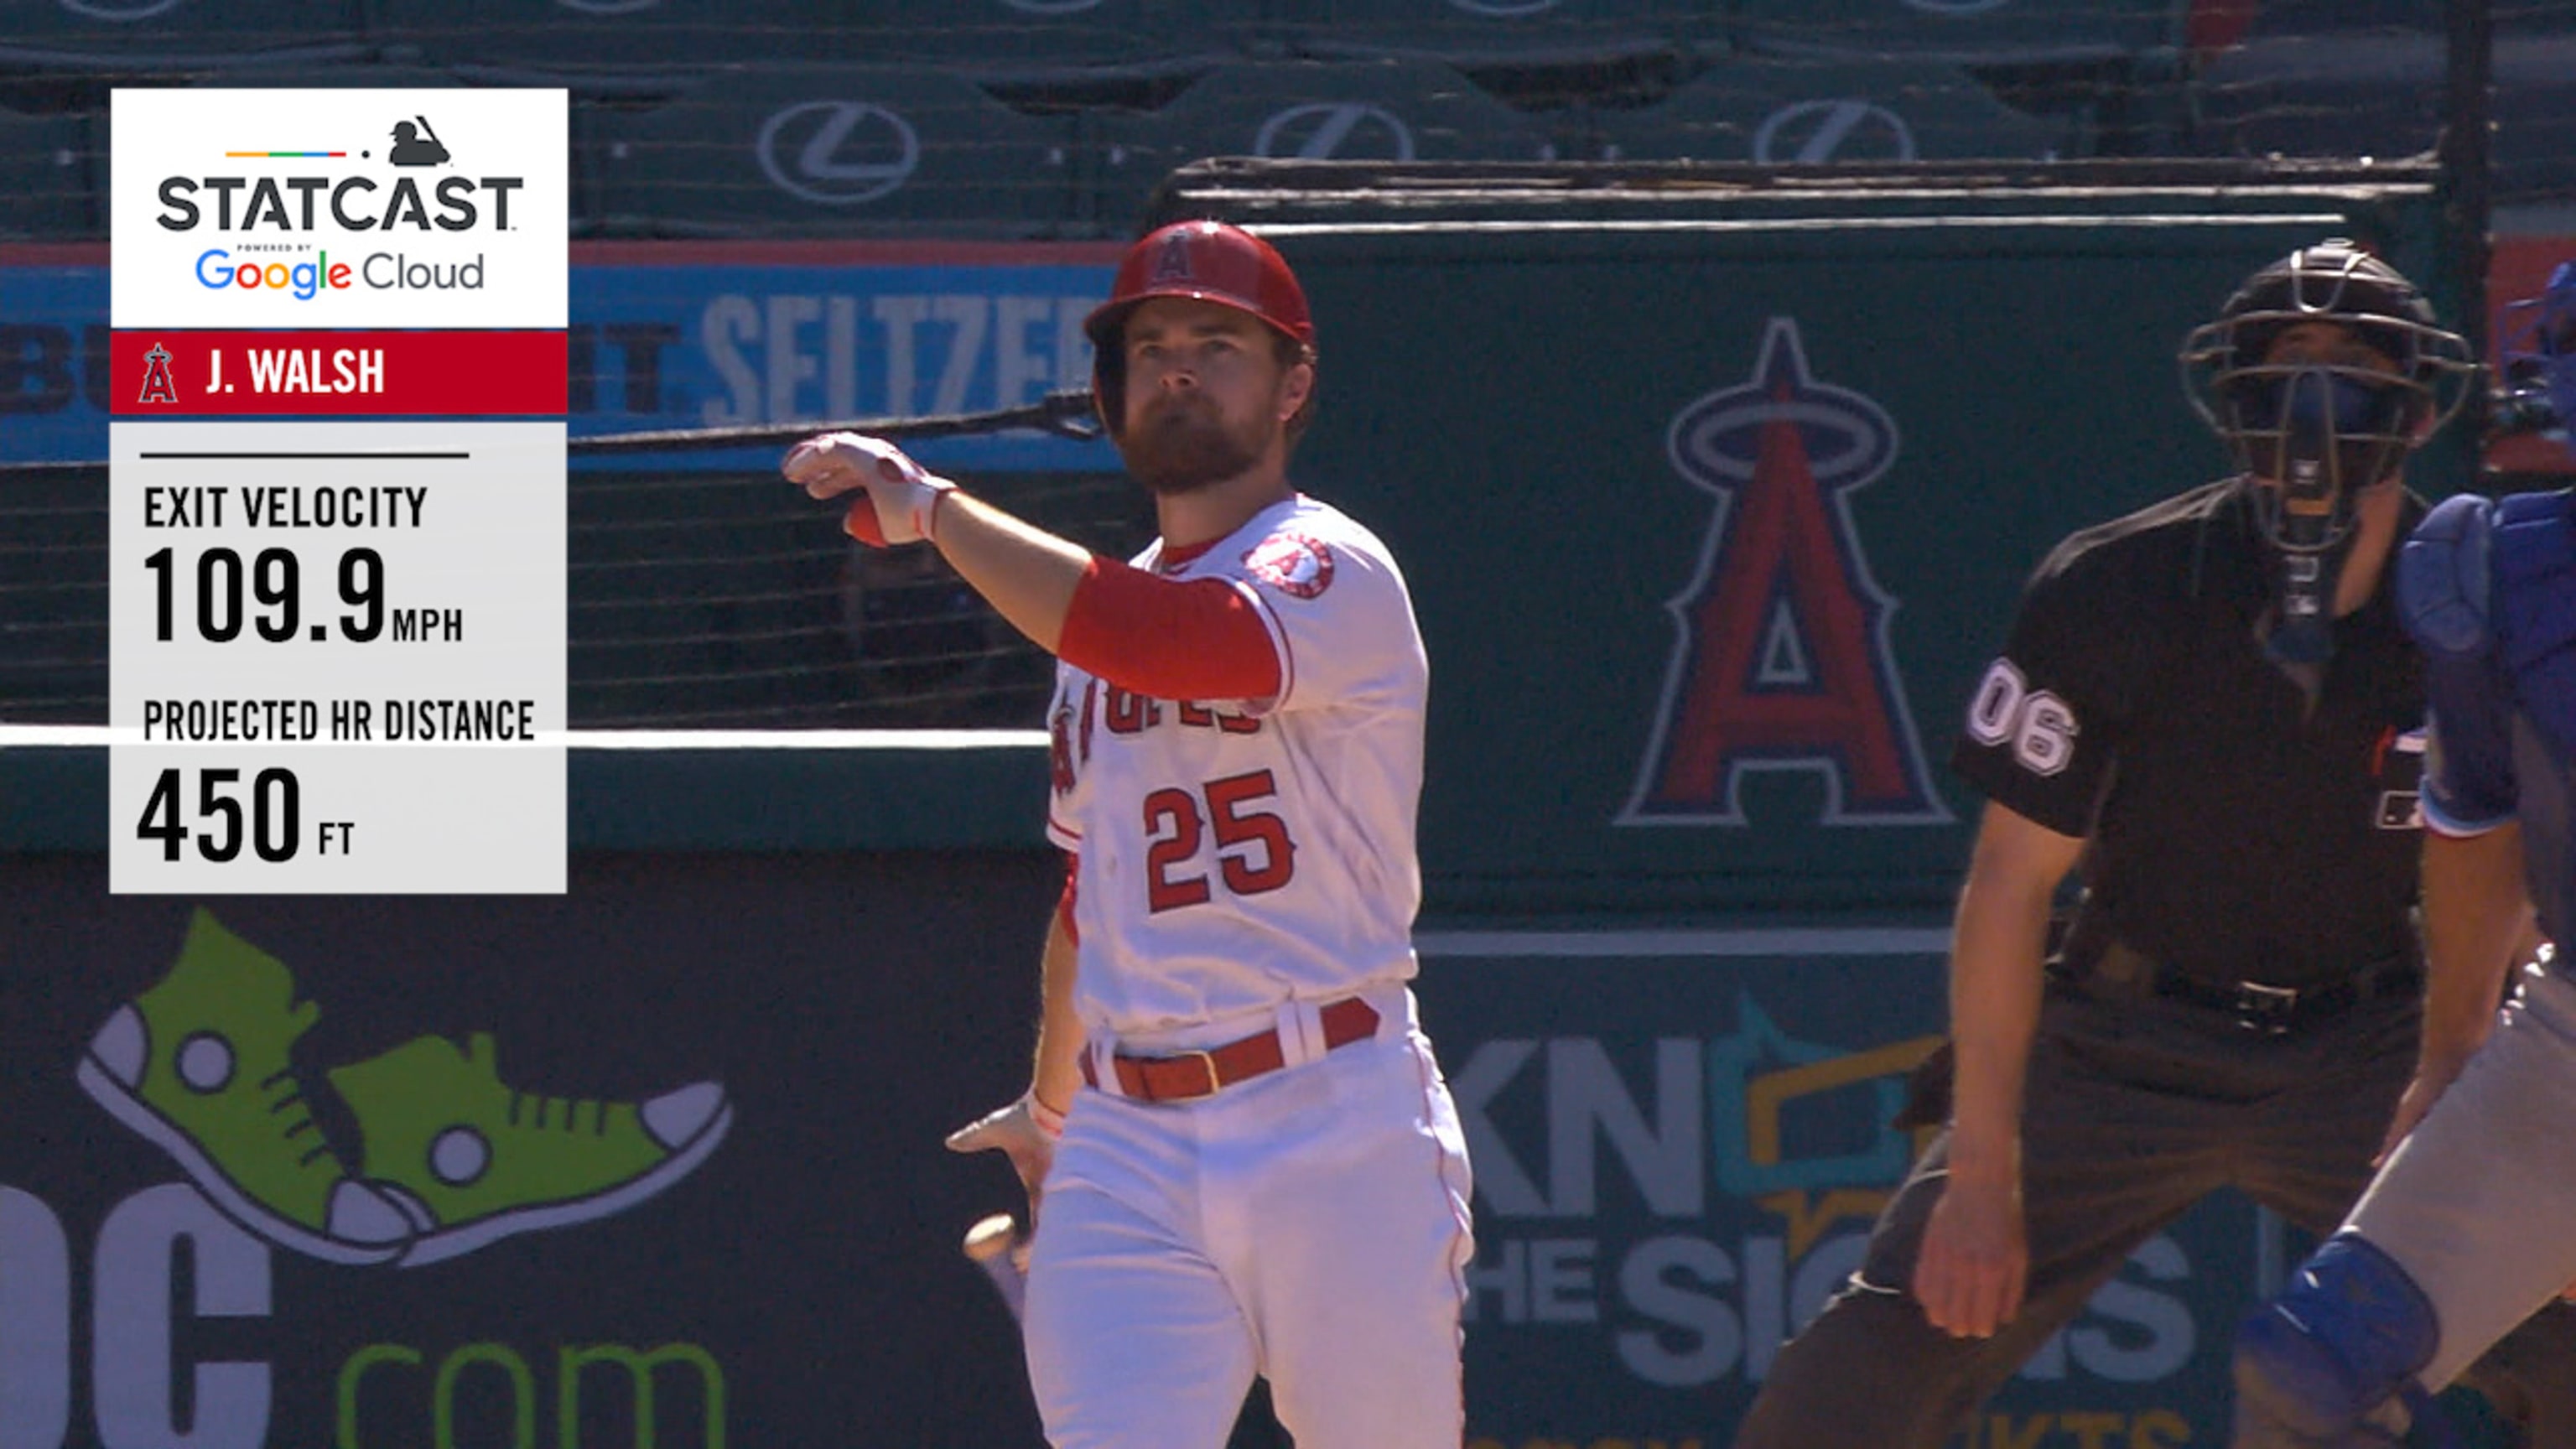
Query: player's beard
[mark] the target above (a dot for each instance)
(1183, 444)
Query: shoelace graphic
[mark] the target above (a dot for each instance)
(571, 1112)
(288, 1097)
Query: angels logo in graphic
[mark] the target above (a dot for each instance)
(157, 386)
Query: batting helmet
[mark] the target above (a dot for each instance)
(2353, 426)
(1206, 261)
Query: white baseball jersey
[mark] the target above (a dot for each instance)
(1237, 854)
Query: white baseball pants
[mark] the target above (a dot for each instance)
(1310, 1225)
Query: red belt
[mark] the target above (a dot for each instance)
(1188, 1076)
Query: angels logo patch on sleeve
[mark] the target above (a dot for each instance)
(1294, 563)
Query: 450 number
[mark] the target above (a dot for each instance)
(1253, 850)
(273, 829)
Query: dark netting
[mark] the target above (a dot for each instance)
(705, 597)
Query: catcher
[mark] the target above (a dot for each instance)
(2449, 1249)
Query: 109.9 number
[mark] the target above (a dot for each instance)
(269, 826)
(220, 610)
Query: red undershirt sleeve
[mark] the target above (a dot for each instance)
(1182, 639)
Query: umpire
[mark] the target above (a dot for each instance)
(2209, 707)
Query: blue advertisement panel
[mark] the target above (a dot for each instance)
(1681, 1139)
(53, 354)
(689, 336)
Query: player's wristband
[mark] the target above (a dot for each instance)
(925, 509)
(1049, 1120)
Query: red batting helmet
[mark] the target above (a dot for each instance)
(1208, 261)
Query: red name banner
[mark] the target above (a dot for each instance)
(182, 373)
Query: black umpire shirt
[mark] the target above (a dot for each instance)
(2236, 832)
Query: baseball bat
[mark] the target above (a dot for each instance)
(996, 1245)
(1066, 414)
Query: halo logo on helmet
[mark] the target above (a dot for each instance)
(1172, 263)
(2318, 430)
(1204, 261)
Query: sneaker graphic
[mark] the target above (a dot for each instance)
(472, 1160)
(198, 1065)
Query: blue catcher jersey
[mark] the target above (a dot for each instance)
(2489, 590)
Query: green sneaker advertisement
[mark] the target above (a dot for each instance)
(654, 1165)
(450, 1157)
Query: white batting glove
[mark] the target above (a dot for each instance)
(902, 499)
(1025, 1132)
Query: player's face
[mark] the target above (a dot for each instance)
(2336, 347)
(2326, 344)
(1207, 395)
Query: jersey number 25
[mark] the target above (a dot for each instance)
(1253, 851)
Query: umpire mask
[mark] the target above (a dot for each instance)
(2315, 426)
(2321, 435)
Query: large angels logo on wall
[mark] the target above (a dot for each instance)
(1782, 660)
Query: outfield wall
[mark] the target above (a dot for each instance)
(1680, 1132)
(1711, 519)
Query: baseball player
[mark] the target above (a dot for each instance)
(2452, 1245)
(2209, 709)
(1249, 1160)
